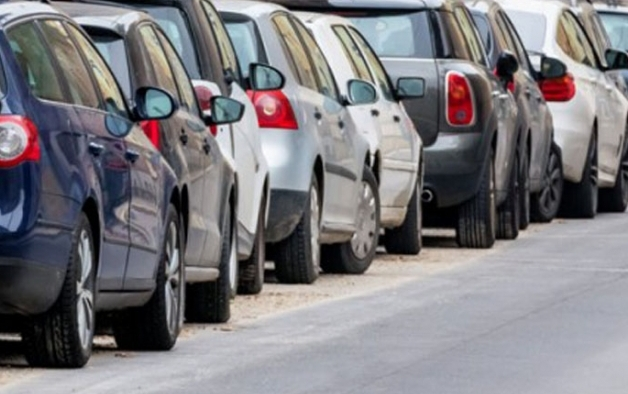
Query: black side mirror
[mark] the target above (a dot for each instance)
(153, 104)
(507, 66)
(361, 92)
(410, 88)
(552, 68)
(224, 111)
(264, 78)
(616, 60)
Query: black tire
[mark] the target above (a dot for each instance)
(615, 199)
(343, 258)
(156, 325)
(406, 239)
(56, 338)
(251, 277)
(210, 302)
(580, 200)
(546, 203)
(297, 258)
(525, 214)
(477, 217)
(508, 213)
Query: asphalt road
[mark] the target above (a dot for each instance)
(547, 314)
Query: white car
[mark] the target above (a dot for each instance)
(395, 145)
(589, 111)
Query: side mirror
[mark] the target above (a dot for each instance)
(361, 92)
(507, 66)
(410, 88)
(225, 111)
(616, 60)
(552, 68)
(153, 104)
(264, 77)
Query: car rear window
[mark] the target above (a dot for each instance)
(113, 50)
(398, 35)
(246, 41)
(174, 22)
(616, 26)
(531, 28)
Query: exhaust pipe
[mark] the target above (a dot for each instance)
(427, 196)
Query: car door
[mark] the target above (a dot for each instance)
(104, 152)
(342, 161)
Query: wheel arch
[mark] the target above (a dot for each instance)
(90, 209)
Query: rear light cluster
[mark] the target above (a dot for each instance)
(558, 89)
(19, 141)
(204, 96)
(460, 103)
(151, 129)
(274, 110)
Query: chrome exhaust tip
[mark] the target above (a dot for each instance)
(427, 196)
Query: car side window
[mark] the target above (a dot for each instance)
(35, 62)
(188, 97)
(80, 84)
(327, 83)
(158, 60)
(227, 53)
(107, 84)
(380, 72)
(519, 48)
(573, 41)
(357, 61)
(457, 46)
(294, 51)
(474, 44)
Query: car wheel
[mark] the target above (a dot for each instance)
(545, 204)
(406, 239)
(156, 325)
(580, 200)
(251, 277)
(477, 217)
(297, 258)
(210, 302)
(508, 213)
(524, 190)
(355, 257)
(63, 336)
(616, 198)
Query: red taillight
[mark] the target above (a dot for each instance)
(19, 141)
(274, 110)
(510, 85)
(558, 89)
(204, 96)
(151, 129)
(460, 107)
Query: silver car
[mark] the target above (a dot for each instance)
(322, 189)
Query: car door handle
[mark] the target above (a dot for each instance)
(183, 137)
(609, 88)
(375, 112)
(341, 124)
(96, 149)
(397, 119)
(318, 115)
(528, 92)
(495, 94)
(132, 155)
(207, 146)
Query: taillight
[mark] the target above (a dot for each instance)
(558, 89)
(274, 110)
(151, 129)
(204, 96)
(19, 141)
(460, 105)
(510, 85)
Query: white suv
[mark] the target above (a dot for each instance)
(589, 111)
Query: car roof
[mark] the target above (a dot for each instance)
(363, 4)
(109, 17)
(12, 10)
(253, 9)
(535, 6)
(314, 17)
(483, 6)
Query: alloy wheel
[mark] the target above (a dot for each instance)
(173, 280)
(84, 291)
(550, 196)
(315, 228)
(233, 262)
(364, 237)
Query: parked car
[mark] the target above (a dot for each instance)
(541, 177)
(589, 111)
(200, 38)
(322, 188)
(90, 209)
(140, 54)
(395, 145)
(614, 16)
(466, 118)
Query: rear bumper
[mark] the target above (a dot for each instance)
(286, 210)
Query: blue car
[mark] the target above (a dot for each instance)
(89, 209)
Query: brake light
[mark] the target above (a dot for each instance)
(204, 96)
(274, 110)
(510, 85)
(151, 129)
(19, 141)
(558, 89)
(460, 105)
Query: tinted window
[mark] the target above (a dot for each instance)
(227, 54)
(470, 33)
(484, 29)
(175, 24)
(113, 49)
(158, 60)
(358, 63)
(378, 68)
(573, 41)
(531, 28)
(106, 82)
(457, 43)
(81, 87)
(298, 59)
(35, 62)
(519, 49)
(246, 42)
(406, 35)
(616, 26)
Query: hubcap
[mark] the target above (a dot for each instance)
(551, 193)
(233, 262)
(363, 239)
(84, 294)
(315, 227)
(173, 279)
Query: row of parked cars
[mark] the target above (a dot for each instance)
(155, 154)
